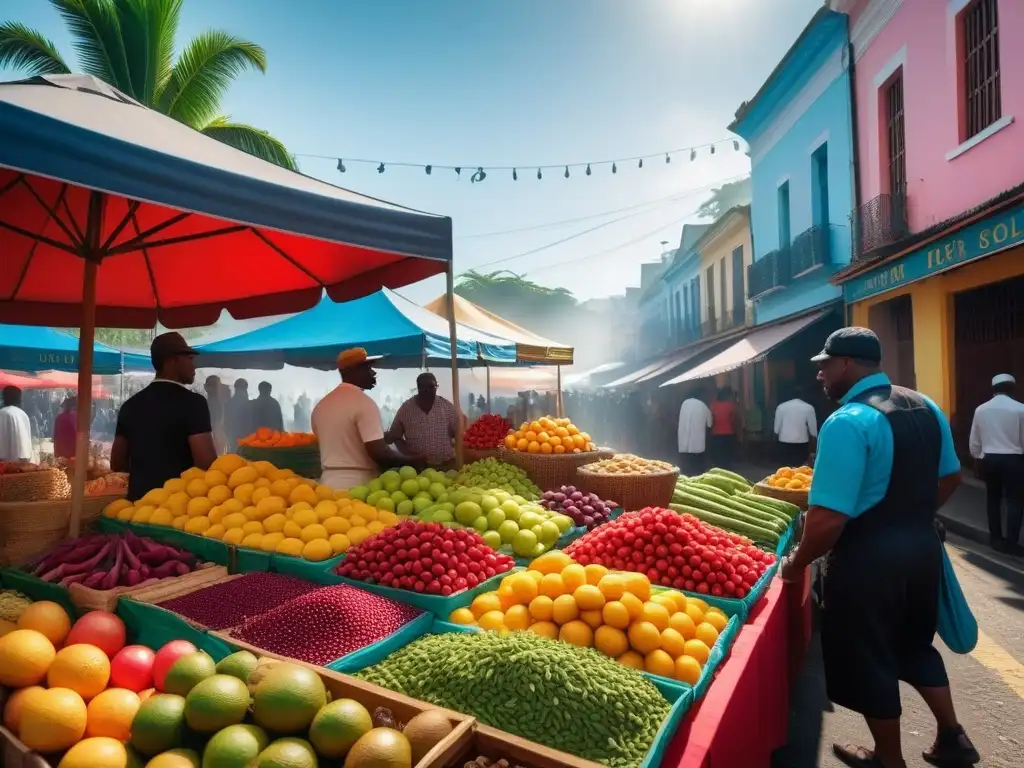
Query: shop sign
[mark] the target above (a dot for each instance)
(982, 238)
(31, 360)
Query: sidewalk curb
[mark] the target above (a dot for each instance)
(964, 529)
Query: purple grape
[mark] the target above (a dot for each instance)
(549, 495)
(559, 497)
(567, 489)
(588, 521)
(576, 496)
(587, 509)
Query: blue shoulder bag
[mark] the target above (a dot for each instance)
(957, 626)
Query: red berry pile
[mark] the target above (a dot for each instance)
(424, 557)
(230, 603)
(326, 624)
(676, 551)
(486, 432)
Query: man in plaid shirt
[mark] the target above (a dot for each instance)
(425, 424)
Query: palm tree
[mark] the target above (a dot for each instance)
(130, 45)
(522, 301)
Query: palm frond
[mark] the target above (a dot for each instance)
(255, 141)
(97, 40)
(203, 72)
(26, 50)
(148, 28)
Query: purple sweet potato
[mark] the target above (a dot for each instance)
(93, 579)
(134, 577)
(129, 556)
(75, 578)
(113, 577)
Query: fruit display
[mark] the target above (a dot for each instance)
(584, 509)
(549, 436)
(325, 624)
(424, 557)
(272, 438)
(487, 432)
(628, 464)
(404, 490)
(258, 506)
(494, 474)
(105, 561)
(486, 762)
(565, 697)
(791, 478)
(19, 467)
(233, 602)
(110, 484)
(724, 501)
(12, 603)
(666, 633)
(675, 550)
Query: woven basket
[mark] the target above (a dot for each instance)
(550, 471)
(29, 528)
(88, 599)
(469, 455)
(303, 460)
(630, 491)
(41, 485)
(799, 498)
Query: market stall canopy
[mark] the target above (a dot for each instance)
(530, 348)
(383, 323)
(51, 380)
(634, 376)
(180, 225)
(37, 348)
(750, 349)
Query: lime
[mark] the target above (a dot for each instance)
(338, 726)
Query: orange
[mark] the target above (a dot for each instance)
(658, 662)
(716, 620)
(615, 614)
(678, 597)
(545, 629)
(683, 624)
(699, 603)
(589, 598)
(533, 447)
(517, 617)
(694, 612)
(522, 444)
(595, 573)
(666, 600)
(697, 650)
(111, 714)
(545, 447)
(507, 597)
(576, 633)
(687, 670)
(510, 441)
(542, 608)
(644, 637)
(631, 659)
(573, 576)
(492, 620)
(53, 720)
(552, 585)
(462, 616)
(612, 586)
(564, 609)
(707, 634)
(83, 668)
(657, 614)
(592, 618)
(46, 617)
(554, 561)
(611, 641)
(672, 642)
(634, 605)
(638, 584)
(12, 710)
(523, 587)
(25, 656)
(488, 601)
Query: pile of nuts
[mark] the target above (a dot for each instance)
(628, 464)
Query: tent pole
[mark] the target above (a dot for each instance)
(85, 347)
(558, 398)
(488, 369)
(453, 343)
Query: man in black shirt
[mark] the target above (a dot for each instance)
(164, 429)
(266, 411)
(238, 414)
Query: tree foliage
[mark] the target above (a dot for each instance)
(514, 296)
(130, 44)
(727, 196)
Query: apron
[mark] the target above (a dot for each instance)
(882, 580)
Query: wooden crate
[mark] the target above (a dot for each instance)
(88, 599)
(496, 744)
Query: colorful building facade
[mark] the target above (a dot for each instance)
(724, 254)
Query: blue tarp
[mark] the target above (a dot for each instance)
(383, 323)
(35, 348)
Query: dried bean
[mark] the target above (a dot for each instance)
(230, 603)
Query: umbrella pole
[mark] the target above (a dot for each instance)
(558, 395)
(453, 343)
(85, 348)
(488, 369)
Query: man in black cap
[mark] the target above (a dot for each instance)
(164, 429)
(885, 465)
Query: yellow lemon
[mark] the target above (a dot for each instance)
(462, 616)
(175, 485)
(517, 617)
(270, 506)
(492, 620)
(313, 532)
(631, 659)
(324, 493)
(339, 543)
(359, 521)
(243, 494)
(156, 497)
(304, 517)
(280, 488)
(234, 520)
(179, 522)
(545, 629)
(233, 505)
(317, 550)
(303, 493)
(292, 530)
(388, 518)
(193, 473)
(233, 536)
(162, 516)
(253, 526)
(216, 514)
(273, 473)
(178, 503)
(126, 514)
(251, 513)
(215, 477)
(253, 541)
(262, 483)
(218, 494)
(336, 525)
(290, 546)
(376, 526)
(143, 514)
(228, 463)
(197, 524)
(197, 488)
(259, 494)
(325, 509)
(275, 524)
(488, 601)
(198, 506)
(358, 534)
(576, 633)
(215, 532)
(611, 641)
(658, 662)
(112, 509)
(242, 476)
(271, 540)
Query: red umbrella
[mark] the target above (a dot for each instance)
(116, 215)
(50, 380)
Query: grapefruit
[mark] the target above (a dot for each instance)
(103, 629)
(240, 665)
(287, 753)
(96, 752)
(83, 668)
(166, 656)
(25, 656)
(234, 746)
(111, 713)
(288, 698)
(158, 724)
(339, 725)
(132, 668)
(187, 672)
(48, 618)
(380, 748)
(216, 703)
(175, 758)
(52, 720)
(12, 710)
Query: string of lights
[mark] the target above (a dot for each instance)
(481, 172)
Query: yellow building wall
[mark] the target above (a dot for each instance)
(735, 235)
(934, 320)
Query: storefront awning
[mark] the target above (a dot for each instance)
(635, 375)
(749, 349)
(679, 359)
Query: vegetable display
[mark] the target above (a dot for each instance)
(628, 464)
(584, 509)
(675, 550)
(568, 698)
(549, 436)
(486, 432)
(104, 561)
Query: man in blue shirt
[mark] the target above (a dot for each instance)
(885, 464)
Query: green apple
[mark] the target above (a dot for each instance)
(508, 531)
(492, 539)
(524, 542)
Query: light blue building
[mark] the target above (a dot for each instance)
(682, 285)
(799, 127)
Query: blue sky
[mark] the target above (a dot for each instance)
(496, 83)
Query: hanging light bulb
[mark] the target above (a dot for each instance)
(588, 169)
(712, 149)
(515, 175)
(667, 159)
(693, 155)
(641, 163)
(614, 168)
(480, 175)
(567, 171)
(458, 172)
(735, 145)
(428, 169)
(380, 168)
(539, 174)
(341, 166)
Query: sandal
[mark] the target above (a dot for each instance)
(856, 756)
(952, 748)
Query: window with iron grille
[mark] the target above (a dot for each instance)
(982, 102)
(897, 137)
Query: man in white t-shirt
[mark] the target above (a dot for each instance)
(796, 428)
(15, 428)
(348, 428)
(694, 423)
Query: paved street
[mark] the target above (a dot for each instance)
(988, 684)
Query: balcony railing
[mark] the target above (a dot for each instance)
(809, 251)
(878, 223)
(769, 273)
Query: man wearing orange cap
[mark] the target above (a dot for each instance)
(348, 427)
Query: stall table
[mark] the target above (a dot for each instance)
(745, 715)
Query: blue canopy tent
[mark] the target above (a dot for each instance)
(35, 348)
(384, 323)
